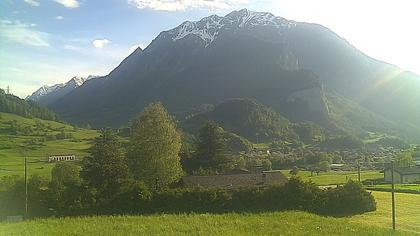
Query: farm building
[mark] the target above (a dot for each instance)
(236, 180)
(53, 158)
(403, 175)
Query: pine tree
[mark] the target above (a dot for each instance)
(154, 147)
(106, 167)
(211, 150)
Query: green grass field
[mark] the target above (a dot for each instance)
(335, 177)
(34, 146)
(407, 212)
(277, 223)
(398, 187)
(280, 223)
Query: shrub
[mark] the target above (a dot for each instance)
(133, 197)
(347, 200)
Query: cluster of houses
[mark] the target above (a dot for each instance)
(244, 178)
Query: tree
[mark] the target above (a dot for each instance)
(405, 159)
(154, 148)
(266, 164)
(211, 148)
(106, 167)
(294, 171)
(65, 173)
(324, 166)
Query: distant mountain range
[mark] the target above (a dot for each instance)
(49, 94)
(303, 71)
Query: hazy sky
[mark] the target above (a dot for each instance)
(50, 41)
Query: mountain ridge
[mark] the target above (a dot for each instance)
(285, 65)
(49, 94)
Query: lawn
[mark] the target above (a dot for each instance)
(335, 177)
(34, 146)
(398, 187)
(276, 223)
(279, 223)
(407, 212)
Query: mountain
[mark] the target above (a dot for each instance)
(12, 104)
(49, 94)
(298, 69)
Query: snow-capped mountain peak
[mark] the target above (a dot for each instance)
(46, 94)
(77, 80)
(210, 27)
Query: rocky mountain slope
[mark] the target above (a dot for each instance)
(286, 65)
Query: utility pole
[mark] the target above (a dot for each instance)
(8, 89)
(26, 188)
(393, 195)
(358, 169)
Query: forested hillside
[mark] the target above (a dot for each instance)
(244, 117)
(12, 104)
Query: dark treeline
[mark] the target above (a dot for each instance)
(144, 176)
(15, 105)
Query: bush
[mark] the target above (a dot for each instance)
(349, 199)
(133, 197)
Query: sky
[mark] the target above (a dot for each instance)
(45, 42)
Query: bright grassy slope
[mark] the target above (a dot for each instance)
(335, 177)
(414, 187)
(278, 223)
(407, 212)
(14, 147)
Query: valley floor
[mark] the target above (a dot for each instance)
(277, 223)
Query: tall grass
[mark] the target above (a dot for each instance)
(280, 223)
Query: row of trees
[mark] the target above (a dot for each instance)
(153, 154)
(67, 195)
(143, 175)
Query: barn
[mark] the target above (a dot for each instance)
(403, 175)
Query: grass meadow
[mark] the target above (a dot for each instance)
(336, 177)
(279, 223)
(276, 223)
(13, 148)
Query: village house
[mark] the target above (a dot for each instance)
(53, 158)
(403, 175)
(237, 180)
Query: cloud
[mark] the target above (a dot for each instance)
(68, 3)
(100, 43)
(59, 17)
(32, 2)
(180, 5)
(17, 32)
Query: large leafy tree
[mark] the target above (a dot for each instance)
(65, 188)
(65, 173)
(106, 167)
(405, 159)
(154, 147)
(211, 149)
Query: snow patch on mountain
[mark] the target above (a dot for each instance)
(209, 28)
(45, 90)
